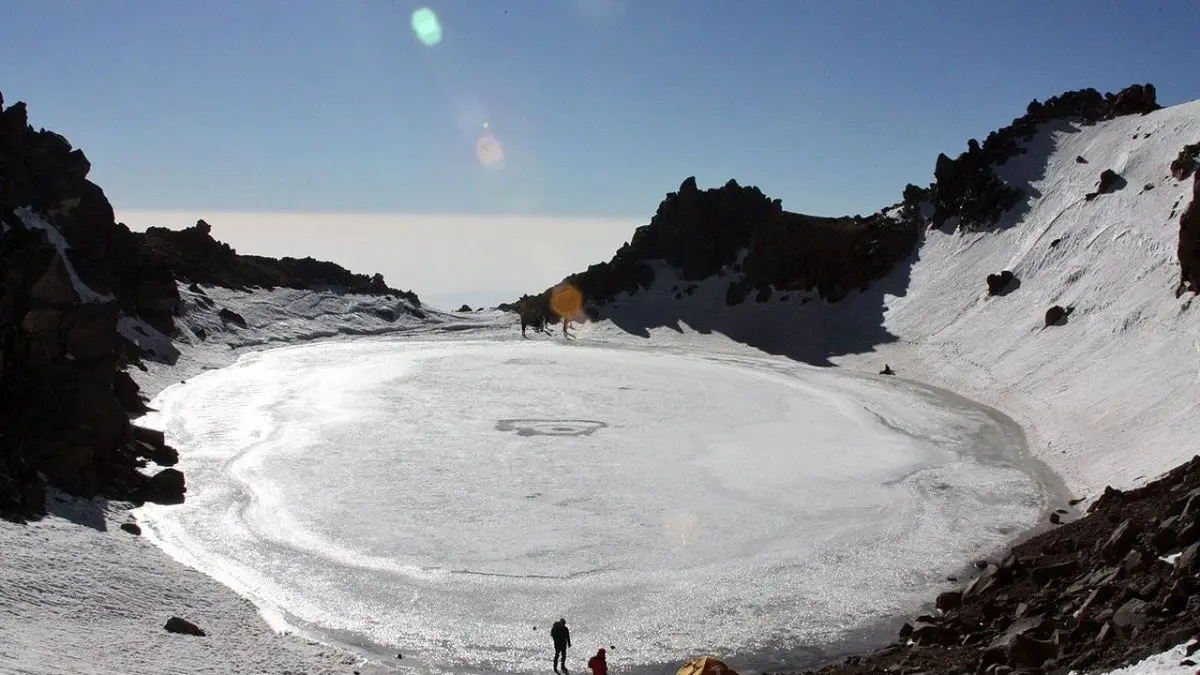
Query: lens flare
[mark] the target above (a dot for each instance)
(488, 150)
(427, 27)
(566, 301)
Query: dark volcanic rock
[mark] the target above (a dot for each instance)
(949, 600)
(1185, 163)
(230, 316)
(735, 294)
(64, 400)
(1063, 603)
(165, 487)
(967, 187)
(131, 528)
(997, 283)
(1056, 314)
(183, 627)
(1189, 243)
(739, 231)
(1109, 181)
(195, 256)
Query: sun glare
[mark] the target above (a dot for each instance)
(427, 27)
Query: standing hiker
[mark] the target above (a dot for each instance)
(598, 663)
(562, 639)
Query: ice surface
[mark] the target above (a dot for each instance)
(443, 499)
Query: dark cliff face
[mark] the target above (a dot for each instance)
(1189, 243)
(701, 232)
(739, 230)
(967, 187)
(69, 273)
(194, 256)
(62, 421)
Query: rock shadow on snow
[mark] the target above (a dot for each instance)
(811, 331)
(86, 512)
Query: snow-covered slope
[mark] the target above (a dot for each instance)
(1110, 397)
(275, 317)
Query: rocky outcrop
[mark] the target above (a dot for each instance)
(193, 255)
(1109, 181)
(739, 231)
(967, 188)
(1090, 595)
(1185, 163)
(1189, 243)
(182, 627)
(69, 271)
(1056, 314)
(998, 283)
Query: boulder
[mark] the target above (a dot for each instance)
(1027, 652)
(131, 528)
(165, 487)
(997, 283)
(229, 316)
(1189, 559)
(1131, 615)
(1109, 181)
(928, 633)
(182, 627)
(1184, 164)
(1046, 573)
(1119, 541)
(1056, 314)
(949, 600)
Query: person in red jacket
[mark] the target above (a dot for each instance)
(598, 664)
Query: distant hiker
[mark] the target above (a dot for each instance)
(598, 664)
(562, 639)
(887, 370)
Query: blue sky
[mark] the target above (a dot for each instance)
(229, 108)
(601, 106)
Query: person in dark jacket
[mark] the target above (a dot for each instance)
(562, 639)
(598, 663)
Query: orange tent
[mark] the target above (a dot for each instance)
(705, 665)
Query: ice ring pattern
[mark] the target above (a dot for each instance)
(551, 427)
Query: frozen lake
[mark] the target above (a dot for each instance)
(450, 499)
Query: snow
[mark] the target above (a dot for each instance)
(35, 221)
(1107, 398)
(1128, 349)
(81, 596)
(1174, 661)
(508, 482)
(277, 317)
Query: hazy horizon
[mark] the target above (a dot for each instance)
(482, 260)
(580, 112)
